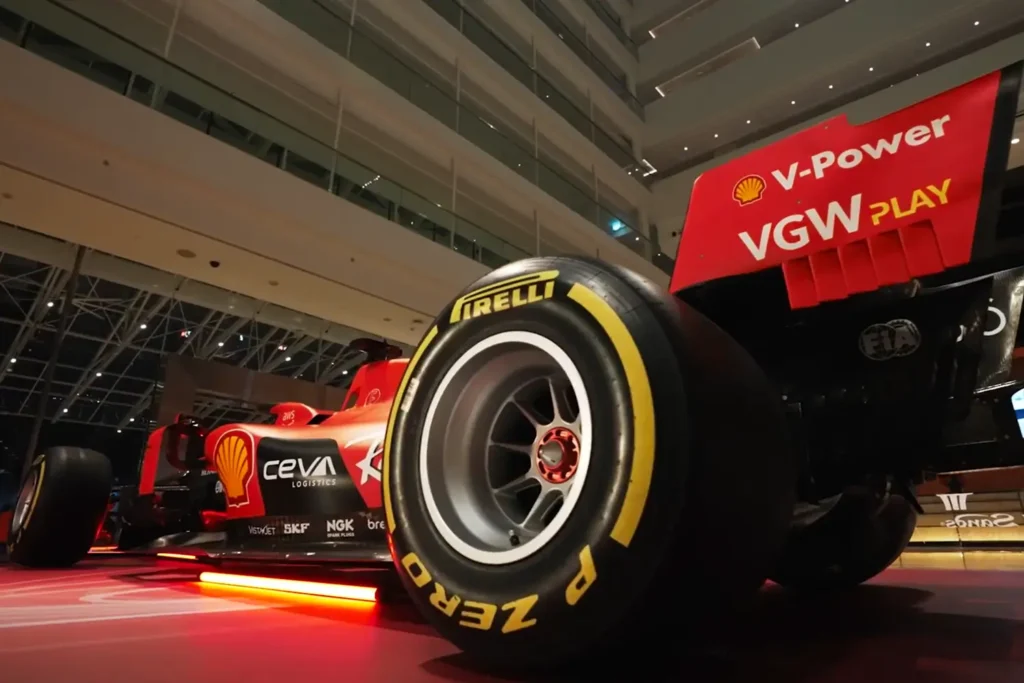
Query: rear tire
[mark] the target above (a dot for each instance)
(60, 507)
(649, 537)
(852, 541)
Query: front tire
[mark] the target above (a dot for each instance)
(60, 507)
(662, 426)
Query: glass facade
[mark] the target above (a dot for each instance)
(214, 112)
(122, 66)
(335, 31)
(617, 147)
(607, 72)
(610, 19)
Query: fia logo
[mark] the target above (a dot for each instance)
(894, 339)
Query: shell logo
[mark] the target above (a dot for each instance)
(233, 457)
(748, 190)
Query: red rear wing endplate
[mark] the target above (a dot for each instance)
(848, 208)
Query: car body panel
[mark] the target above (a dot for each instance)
(313, 478)
(270, 469)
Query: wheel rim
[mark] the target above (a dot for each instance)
(505, 448)
(24, 501)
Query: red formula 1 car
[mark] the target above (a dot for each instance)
(567, 458)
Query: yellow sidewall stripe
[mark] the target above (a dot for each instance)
(35, 497)
(642, 468)
(396, 405)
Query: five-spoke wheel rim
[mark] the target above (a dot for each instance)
(505, 447)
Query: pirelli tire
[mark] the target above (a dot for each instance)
(60, 507)
(843, 542)
(683, 472)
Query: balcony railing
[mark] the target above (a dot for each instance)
(611, 20)
(578, 45)
(122, 66)
(153, 81)
(506, 57)
(325, 25)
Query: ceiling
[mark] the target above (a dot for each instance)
(123, 319)
(809, 87)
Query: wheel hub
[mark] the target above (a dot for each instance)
(506, 441)
(558, 455)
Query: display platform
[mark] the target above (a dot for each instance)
(131, 619)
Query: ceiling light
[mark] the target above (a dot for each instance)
(142, 326)
(796, 25)
(131, 419)
(748, 122)
(792, 101)
(99, 374)
(871, 68)
(927, 44)
(220, 343)
(344, 372)
(976, 23)
(65, 410)
(287, 359)
(49, 304)
(118, 431)
(14, 360)
(716, 136)
(686, 149)
(830, 86)
(1012, 142)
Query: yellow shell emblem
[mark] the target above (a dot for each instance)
(748, 190)
(234, 467)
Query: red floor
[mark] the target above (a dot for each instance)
(125, 620)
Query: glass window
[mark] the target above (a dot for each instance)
(57, 49)
(219, 114)
(10, 25)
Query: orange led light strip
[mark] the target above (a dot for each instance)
(176, 556)
(327, 590)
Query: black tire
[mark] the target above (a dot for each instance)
(654, 537)
(131, 537)
(60, 507)
(856, 538)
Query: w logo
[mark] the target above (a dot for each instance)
(954, 502)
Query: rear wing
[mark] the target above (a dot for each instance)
(844, 208)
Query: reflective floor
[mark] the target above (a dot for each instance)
(123, 619)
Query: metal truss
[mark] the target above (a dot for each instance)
(124, 319)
